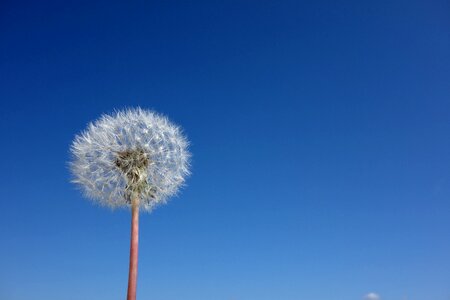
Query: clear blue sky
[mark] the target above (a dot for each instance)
(320, 133)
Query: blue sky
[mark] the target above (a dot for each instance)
(320, 141)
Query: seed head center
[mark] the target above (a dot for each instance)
(133, 164)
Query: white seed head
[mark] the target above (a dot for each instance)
(134, 153)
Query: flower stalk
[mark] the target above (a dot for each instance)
(134, 247)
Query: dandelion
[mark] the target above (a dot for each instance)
(134, 158)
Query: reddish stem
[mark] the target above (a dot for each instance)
(132, 275)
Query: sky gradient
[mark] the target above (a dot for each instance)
(320, 140)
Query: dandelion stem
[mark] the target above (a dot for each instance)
(132, 275)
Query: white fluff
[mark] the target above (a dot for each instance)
(95, 152)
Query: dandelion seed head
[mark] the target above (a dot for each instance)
(133, 153)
